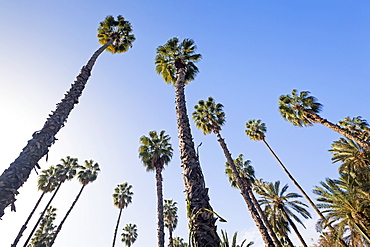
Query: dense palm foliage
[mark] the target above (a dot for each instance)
(279, 204)
(170, 218)
(155, 152)
(116, 37)
(46, 229)
(175, 62)
(122, 197)
(209, 117)
(129, 234)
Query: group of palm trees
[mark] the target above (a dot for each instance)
(343, 205)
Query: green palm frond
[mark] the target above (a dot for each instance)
(256, 130)
(122, 195)
(88, 173)
(209, 116)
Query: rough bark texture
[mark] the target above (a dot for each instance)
(256, 217)
(333, 231)
(65, 217)
(116, 229)
(160, 230)
(42, 214)
(18, 172)
(202, 222)
(317, 119)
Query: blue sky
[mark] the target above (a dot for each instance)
(253, 52)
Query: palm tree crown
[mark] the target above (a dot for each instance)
(208, 116)
(156, 150)
(129, 234)
(170, 214)
(256, 130)
(296, 108)
(245, 170)
(122, 195)
(118, 32)
(88, 173)
(174, 55)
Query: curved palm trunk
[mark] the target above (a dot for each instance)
(42, 215)
(333, 231)
(24, 227)
(202, 221)
(65, 217)
(256, 217)
(116, 229)
(263, 216)
(18, 171)
(317, 119)
(294, 228)
(160, 230)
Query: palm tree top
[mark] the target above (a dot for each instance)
(122, 195)
(209, 116)
(175, 55)
(296, 106)
(256, 130)
(156, 150)
(118, 31)
(244, 168)
(356, 126)
(89, 172)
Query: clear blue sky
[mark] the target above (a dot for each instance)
(253, 52)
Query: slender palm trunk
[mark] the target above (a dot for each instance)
(170, 239)
(116, 229)
(18, 171)
(256, 217)
(65, 217)
(202, 222)
(263, 216)
(160, 230)
(294, 228)
(317, 119)
(24, 227)
(42, 214)
(333, 231)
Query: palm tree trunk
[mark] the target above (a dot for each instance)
(24, 227)
(170, 237)
(160, 230)
(202, 220)
(333, 231)
(294, 228)
(116, 229)
(263, 216)
(65, 217)
(256, 217)
(18, 172)
(317, 119)
(42, 215)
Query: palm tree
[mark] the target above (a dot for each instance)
(279, 201)
(115, 36)
(246, 172)
(129, 234)
(256, 131)
(46, 183)
(46, 229)
(226, 242)
(179, 242)
(63, 172)
(86, 175)
(209, 117)
(345, 207)
(155, 152)
(175, 62)
(302, 110)
(122, 197)
(170, 218)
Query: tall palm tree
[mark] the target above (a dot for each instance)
(115, 36)
(129, 234)
(155, 152)
(246, 172)
(302, 110)
(209, 117)
(345, 207)
(87, 174)
(170, 218)
(282, 202)
(46, 183)
(256, 131)
(175, 62)
(63, 172)
(226, 242)
(122, 197)
(46, 229)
